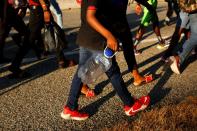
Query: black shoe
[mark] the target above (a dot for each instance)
(4, 60)
(18, 73)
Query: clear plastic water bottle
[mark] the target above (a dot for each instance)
(94, 67)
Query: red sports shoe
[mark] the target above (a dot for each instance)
(139, 105)
(73, 114)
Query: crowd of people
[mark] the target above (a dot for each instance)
(103, 23)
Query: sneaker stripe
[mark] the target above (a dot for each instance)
(143, 106)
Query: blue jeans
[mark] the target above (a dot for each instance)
(192, 41)
(54, 7)
(183, 20)
(113, 74)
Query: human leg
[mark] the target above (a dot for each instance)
(76, 86)
(181, 24)
(189, 45)
(29, 41)
(169, 12)
(71, 108)
(138, 37)
(128, 52)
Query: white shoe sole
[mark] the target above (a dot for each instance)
(68, 117)
(174, 66)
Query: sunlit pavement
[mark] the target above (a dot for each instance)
(36, 103)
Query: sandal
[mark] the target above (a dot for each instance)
(90, 93)
(148, 79)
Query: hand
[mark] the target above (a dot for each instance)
(22, 13)
(138, 9)
(112, 43)
(46, 16)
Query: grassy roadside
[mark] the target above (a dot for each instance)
(178, 117)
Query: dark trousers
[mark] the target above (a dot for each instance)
(13, 20)
(113, 74)
(172, 6)
(36, 23)
(174, 40)
(125, 37)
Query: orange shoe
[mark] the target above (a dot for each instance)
(90, 93)
(85, 90)
(147, 79)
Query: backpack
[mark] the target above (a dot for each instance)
(188, 6)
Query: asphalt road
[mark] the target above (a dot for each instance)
(36, 103)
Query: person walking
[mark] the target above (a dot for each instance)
(148, 17)
(99, 20)
(182, 26)
(177, 60)
(9, 18)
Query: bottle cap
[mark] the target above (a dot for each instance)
(109, 53)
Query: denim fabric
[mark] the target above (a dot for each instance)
(55, 9)
(113, 74)
(192, 41)
(183, 20)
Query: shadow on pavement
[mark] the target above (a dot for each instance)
(191, 59)
(93, 107)
(37, 68)
(158, 92)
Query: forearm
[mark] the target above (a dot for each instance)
(43, 4)
(47, 13)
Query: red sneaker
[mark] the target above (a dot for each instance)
(139, 105)
(73, 114)
(145, 100)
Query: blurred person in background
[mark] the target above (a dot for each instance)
(55, 9)
(9, 17)
(149, 15)
(172, 7)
